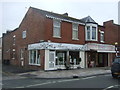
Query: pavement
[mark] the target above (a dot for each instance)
(74, 73)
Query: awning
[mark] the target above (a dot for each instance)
(107, 51)
(55, 46)
(105, 48)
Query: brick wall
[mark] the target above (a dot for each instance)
(111, 32)
(66, 33)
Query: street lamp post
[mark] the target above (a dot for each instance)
(116, 43)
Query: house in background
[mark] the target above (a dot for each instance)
(50, 41)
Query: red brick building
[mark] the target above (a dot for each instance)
(49, 41)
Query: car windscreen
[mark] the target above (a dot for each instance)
(117, 60)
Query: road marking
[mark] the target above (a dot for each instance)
(111, 87)
(89, 77)
(68, 80)
(51, 82)
(34, 85)
(38, 84)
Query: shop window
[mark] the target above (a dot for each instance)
(60, 57)
(74, 58)
(34, 57)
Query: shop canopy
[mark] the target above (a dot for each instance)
(54, 46)
(105, 48)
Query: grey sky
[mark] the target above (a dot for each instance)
(13, 12)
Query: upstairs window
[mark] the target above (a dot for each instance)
(75, 31)
(91, 32)
(56, 28)
(88, 32)
(101, 36)
(24, 34)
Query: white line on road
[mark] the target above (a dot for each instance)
(89, 77)
(34, 85)
(68, 80)
(111, 87)
(38, 84)
(51, 82)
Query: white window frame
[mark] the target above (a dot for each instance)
(92, 33)
(91, 25)
(37, 64)
(24, 34)
(75, 30)
(58, 28)
(87, 33)
(102, 36)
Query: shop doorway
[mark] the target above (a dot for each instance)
(102, 59)
(92, 58)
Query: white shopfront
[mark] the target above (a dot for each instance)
(57, 54)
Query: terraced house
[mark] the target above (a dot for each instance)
(50, 41)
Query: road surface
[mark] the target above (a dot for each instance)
(104, 82)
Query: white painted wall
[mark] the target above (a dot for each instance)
(82, 55)
(46, 60)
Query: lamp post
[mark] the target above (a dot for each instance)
(116, 43)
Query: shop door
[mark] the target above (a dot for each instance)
(52, 60)
(100, 61)
(103, 60)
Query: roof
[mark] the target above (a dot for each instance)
(61, 16)
(88, 19)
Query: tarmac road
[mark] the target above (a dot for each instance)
(103, 82)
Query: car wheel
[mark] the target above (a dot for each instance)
(114, 75)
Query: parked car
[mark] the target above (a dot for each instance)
(115, 68)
